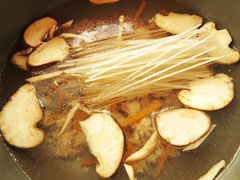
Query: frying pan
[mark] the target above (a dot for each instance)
(38, 163)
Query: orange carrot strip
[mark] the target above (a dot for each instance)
(81, 115)
(145, 112)
(103, 1)
(77, 126)
(167, 151)
(113, 107)
(88, 162)
(140, 9)
(130, 149)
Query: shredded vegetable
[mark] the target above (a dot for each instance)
(69, 117)
(145, 112)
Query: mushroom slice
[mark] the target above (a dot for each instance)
(20, 58)
(130, 171)
(44, 76)
(51, 32)
(67, 24)
(210, 93)
(106, 142)
(36, 32)
(146, 150)
(177, 23)
(54, 50)
(196, 144)
(181, 127)
(213, 171)
(19, 117)
(224, 39)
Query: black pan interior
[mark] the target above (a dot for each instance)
(39, 163)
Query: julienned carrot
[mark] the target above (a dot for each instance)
(167, 151)
(77, 126)
(113, 107)
(81, 115)
(103, 1)
(140, 9)
(130, 149)
(89, 162)
(145, 112)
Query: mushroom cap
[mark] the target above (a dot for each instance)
(20, 58)
(224, 39)
(106, 142)
(177, 23)
(34, 34)
(209, 94)
(54, 50)
(181, 127)
(19, 117)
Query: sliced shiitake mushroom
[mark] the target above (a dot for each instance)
(106, 142)
(20, 58)
(19, 117)
(146, 150)
(36, 32)
(51, 32)
(130, 171)
(54, 50)
(196, 144)
(67, 24)
(210, 175)
(177, 23)
(210, 93)
(223, 37)
(181, 127)
(44, 76)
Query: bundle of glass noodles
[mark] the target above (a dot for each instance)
(115, 70)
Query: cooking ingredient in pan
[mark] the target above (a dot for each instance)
(129, 77)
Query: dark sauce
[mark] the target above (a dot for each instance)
(39, 163)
